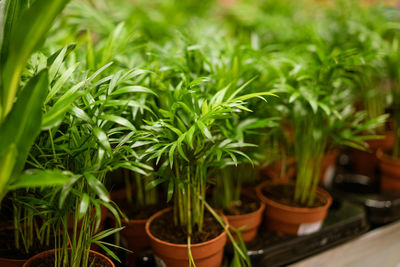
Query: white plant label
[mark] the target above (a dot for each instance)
(309, 228)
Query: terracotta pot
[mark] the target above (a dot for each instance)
(206, 254)
(293, 220)
(4, 262)
(390, 171)
(251, 220)
(45, 254)
(134, 232)
(10, 262)
(366, 162)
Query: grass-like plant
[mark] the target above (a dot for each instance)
(321, 113)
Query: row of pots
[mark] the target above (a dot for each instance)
(377, 159)
(277, 217)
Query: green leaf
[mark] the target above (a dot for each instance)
(52, 58)
(171, 154)
(103, 138)
(189, 136)
(97, 187)
(118, 120)
(155, 182)
(56, 114)
(170, 190)
(204, 129)
(83, 206)
(22, 126)
(60, 82)
(133, 89)
(108, 251)
(24, 38)
(40, 178)
(80, 114)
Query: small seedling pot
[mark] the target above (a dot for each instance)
(249, 223)
(43, 255)
(293, 220)
(390, 171)
(206, 254)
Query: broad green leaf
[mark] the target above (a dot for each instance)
(133, 89)
(22, 124)
(83, 206)
(204, 129)
(56, 114)
(97, 187)
(103, 139)
(155, 182)
(118, 120)
(40, 178)
(25, 36)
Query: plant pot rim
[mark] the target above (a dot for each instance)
(41, 254)
(250, 214)
(159, 213)
(271, 202)
(134, 221)
(383, 156)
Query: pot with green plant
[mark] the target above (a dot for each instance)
(240, 206)
(91, 140)
(20, 112)
(389, 161)
(235, 178)
(321, 114)
(188, 134)
(138, 204)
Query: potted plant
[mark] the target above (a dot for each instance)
(91, 140)
(389, 163)
(20, 108)
(321, 116)
(188, 136)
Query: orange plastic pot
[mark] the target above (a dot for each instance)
(4, 262)
(206, 254)
(390, 171)
(293, 220)
(47, 253)
(134, 232)
(251, 221)
(366, 162)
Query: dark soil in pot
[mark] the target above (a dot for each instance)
(243, 206)
(283, 194)
(163, 228)
(8, 250)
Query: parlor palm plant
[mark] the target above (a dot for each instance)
(322, 115)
